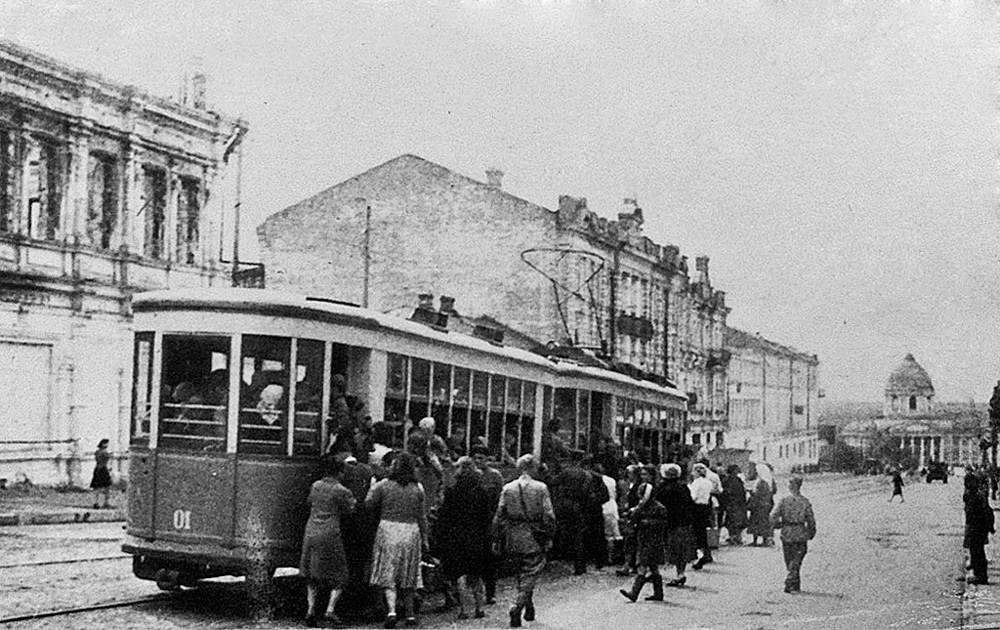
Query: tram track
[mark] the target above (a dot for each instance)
(59, 612)
(42, 563)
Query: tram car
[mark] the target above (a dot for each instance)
(232, 389)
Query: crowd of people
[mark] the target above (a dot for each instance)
(390, 529)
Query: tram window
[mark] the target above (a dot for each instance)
(420, 385)
(512, 420)
(494, 429)
(142, 385)
(527, 433)
(480, 398)
(395, 396)
(564, 413)
(308, 396)
(583, 420)
(194, 392)
(264, 394)
(460, 405)
(441, 399)
(546, 405)
(396, 377)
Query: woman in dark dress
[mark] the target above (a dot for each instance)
(679, 545)
(323, 562)
(464, 521)
(101, 481)
(648, 518)
(760, 504)
(978, 525)
(734, 496)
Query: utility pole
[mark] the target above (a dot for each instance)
(236, 213)
(368, 256)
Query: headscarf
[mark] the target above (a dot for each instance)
(764, 472)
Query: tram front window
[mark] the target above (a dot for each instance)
(194, 392)
(264, 395)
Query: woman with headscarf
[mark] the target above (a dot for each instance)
(464, 525)
(679, 539)
(760, 504)
(648, 518)
(734, 497)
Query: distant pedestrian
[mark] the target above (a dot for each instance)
(679, 543)
(978, 525)
(734, 495)
(649, 519)
(897, 486)
(701, 491)
(760, 503)
(525, 520)
(794, 517)
(324, 562)
(101, 481)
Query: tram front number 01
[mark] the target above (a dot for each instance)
(182, 519)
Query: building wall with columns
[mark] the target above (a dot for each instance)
(104, 191)
(773, 400)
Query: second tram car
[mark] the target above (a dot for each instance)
(232, 390)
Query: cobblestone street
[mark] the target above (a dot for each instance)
(873, 565)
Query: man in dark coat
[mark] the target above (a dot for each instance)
(492, 483)
(978, 526)
(571, 498)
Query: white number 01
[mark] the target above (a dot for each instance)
(182, 519)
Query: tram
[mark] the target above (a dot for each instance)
(231, 389)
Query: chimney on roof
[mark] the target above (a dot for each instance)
(494, 177)
(447, 304)
(425, 301)
(701, 264)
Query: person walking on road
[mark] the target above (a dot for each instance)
(978, 525)
(525, 520)
(649, 519)
(734, 497)
(701, 491)
(101, 481)
(464, 527)
(679, 543)
(897, 486)
(794, 517)
(760, 503)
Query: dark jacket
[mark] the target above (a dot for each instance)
(676, 497)
(978, 517)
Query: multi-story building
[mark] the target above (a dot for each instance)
(410, 226)
(104, 191)
(773, 396)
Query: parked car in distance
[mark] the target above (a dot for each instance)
(937, 470)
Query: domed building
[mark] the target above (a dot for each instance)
(931, 432)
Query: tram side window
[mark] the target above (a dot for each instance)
(564, 415)
(527, 436)
(142, 385)
(459, 429)
(395, 396)
(512, 422)
(308, 396)
(494, 429)
(264, 395)
(420, 386)
(194, 392)
(441, 399)
(480, 400)
(583, 420)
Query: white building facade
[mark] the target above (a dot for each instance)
(104, 191)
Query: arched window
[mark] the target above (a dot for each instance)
(913, 403)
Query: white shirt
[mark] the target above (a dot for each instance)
(701, 490)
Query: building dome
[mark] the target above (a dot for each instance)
(909, 379)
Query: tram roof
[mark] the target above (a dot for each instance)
(271, 302)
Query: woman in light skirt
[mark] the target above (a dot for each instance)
(401, 537)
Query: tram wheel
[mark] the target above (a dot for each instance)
(168, 580)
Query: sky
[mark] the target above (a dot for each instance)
(836, 159)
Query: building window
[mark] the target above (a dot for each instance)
(44, 188)
(154, 207)
(102, 193)
(913, 403)
(8, 203)
(188, 217)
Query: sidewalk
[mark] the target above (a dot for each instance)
(981, 603)
(37, 505)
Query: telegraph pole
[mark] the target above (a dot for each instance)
(368, 256)
(236, 214)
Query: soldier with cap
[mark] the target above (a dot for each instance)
(794, 517)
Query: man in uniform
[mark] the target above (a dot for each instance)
(525, 519)
(794, 517)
